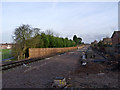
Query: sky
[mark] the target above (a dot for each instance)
(88, 20)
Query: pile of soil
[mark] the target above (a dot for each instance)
(91, 67)
(94, 75)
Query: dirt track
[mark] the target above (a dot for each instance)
(41, 74)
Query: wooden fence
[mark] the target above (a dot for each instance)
(42, 52)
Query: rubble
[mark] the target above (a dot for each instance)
(59, 82)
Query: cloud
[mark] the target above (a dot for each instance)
(88, 38)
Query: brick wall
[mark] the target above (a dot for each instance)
(6, 46)
(115, 41)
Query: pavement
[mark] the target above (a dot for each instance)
(40, 74)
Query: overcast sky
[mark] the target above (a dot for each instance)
(90, 21)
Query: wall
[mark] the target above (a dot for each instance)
(42, 52)
(109, 50)
(115, 41)
(6, 46)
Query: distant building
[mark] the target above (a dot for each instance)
(6, 46)
(116, 41)
(94, 42)
(107, 41)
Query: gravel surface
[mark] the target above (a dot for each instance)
(40, 74)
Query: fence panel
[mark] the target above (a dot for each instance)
(41, 52)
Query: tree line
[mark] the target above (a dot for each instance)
(26, 37)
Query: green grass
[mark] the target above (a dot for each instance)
(6, 53)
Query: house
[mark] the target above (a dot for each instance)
(94, 42)
(107, 41)
(116, 42)
(6, 46)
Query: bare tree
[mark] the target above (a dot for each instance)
(36, 31)
(49, 32)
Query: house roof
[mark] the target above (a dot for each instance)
(106, 39)
(7, 44)
(117, 33)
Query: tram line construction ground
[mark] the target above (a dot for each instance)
(41, 73)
